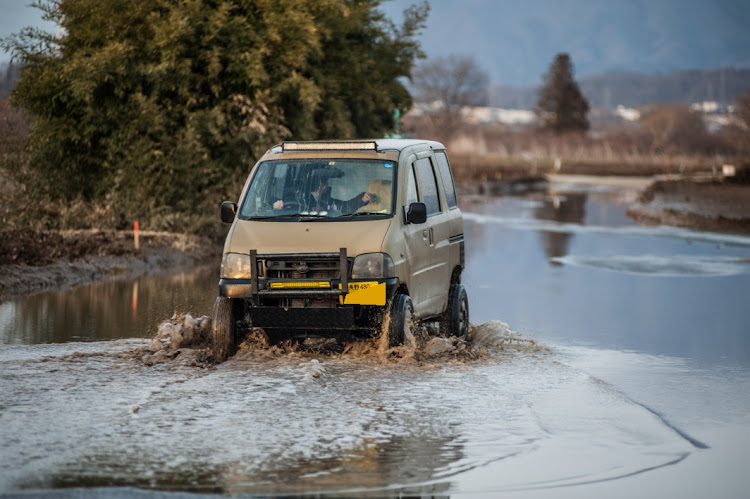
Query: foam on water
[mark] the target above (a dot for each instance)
(521, 223)
(664, 266)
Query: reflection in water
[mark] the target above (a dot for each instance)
(568, 207)
(107, 310)
(661, 290)
(371, 466)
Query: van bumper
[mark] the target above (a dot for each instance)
(269, 308)
(243, 288)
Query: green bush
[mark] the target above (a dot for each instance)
(156, 109)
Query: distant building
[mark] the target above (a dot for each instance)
(715, 115)
(485, 115)
(628, 113)
(477, 115)
(707, 107)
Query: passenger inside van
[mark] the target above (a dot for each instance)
(319, 199)
(380, 195)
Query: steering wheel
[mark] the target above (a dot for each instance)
(292, 205)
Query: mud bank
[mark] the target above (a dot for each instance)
(701, 205)
(37, 261)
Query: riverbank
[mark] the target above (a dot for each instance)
(688, 192)
(705, 205)
(36, 261)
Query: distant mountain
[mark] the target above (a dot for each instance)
(637, 89)
(633, 89)
(515, 41)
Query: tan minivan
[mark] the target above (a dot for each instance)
(330, 239)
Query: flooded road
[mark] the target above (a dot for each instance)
(637, 383)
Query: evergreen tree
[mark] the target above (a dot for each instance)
(157, 108)
(561, 106)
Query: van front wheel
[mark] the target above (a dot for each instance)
(402, 316)
(222, 329)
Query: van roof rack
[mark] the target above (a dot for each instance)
(331, 145)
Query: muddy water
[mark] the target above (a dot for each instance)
(107, 310)
(637, 383)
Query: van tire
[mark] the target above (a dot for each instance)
(455, 320)
(222, 329)
(402, 313)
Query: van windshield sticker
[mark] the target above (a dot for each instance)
(387, 165)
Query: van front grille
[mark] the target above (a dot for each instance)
(313, 266)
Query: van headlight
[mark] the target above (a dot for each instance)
(373, 266)
(235, 266)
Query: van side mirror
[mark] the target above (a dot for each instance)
(228, 211)
(417, 213)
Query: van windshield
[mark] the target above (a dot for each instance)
(320, 188)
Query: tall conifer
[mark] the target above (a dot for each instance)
(561, 105)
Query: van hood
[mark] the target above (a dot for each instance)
(307, 237)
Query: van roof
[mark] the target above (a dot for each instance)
(367, 145)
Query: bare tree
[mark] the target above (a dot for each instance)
(447, 84)
(673, 128)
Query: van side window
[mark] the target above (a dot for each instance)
(428, 185)
(447, 178)
(411, 188)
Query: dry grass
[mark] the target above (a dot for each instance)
(470, 168)
(481, 153)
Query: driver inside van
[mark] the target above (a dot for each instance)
(319, 199)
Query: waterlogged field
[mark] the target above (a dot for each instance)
(621, 368)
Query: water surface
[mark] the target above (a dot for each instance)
(570, 267)
(637, 384)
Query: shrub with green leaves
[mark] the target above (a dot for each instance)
(157, 109)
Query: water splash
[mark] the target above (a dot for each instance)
(499, 336)
(423, 345)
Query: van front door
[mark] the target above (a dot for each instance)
(429, 245)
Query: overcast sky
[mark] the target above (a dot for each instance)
(514, 41)
(16, 15)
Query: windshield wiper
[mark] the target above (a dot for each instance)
(284, 216)
(361, 213)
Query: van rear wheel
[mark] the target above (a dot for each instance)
(455, 320)
(402, 316)
(222, 329)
